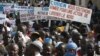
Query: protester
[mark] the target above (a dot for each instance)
(71, 49)
(22, 48)
(34, 49)
(3, 51)
(60, 49)
(36, 38)
(13, 49)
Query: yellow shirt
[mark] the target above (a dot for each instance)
(60, 28)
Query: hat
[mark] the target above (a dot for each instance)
(48, 40)
(38, 44)
(71, 44)
(31, 23)
(75, 31)
(35, 36)
(58, 43)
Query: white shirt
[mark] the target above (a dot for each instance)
(37, 54)
(24, 37)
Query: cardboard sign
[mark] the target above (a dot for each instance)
(2, 18)
(41, 12)
(69, 12)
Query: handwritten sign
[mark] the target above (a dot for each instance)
(69, 12)
(27, 14)
(41, 12)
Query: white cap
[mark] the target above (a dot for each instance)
(38, 44)
(58, 43)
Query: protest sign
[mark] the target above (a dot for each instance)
(2, 18)
(3, 5)
(8, 9)
(69, 12)
(41, 12)
(26, 13)
(18, 8)
(6, 4)
(26, 16)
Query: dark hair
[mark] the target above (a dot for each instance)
(34, 36)
(96, 28)
(42, 34)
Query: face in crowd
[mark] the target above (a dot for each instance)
(13, 50)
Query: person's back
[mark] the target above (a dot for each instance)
(90, 49)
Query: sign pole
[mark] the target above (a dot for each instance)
(37, 22)
(67, 27)
(49, 24)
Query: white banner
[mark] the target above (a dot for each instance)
(8, 9)
(69, 12)
(6, 4)
(26, 14)
(3, 5)
(41, 12)
(18, 8)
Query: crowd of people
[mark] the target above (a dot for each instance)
(35, 3)
(37, 39)
(62, 38)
